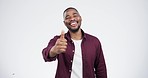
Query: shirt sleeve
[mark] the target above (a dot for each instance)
(46, 50)
(100, 66)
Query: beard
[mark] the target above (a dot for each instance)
(73, 30)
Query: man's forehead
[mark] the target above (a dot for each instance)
(70, 10)
(66, 13)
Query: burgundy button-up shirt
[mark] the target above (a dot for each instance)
(92, 57)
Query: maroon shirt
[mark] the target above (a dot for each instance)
(92, 57)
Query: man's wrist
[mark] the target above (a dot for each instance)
(52, 52)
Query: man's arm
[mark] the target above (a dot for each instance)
(46, 50)
(56, 46)
(100, 66)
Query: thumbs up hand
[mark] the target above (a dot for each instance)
(61, 43)
(62, 35)
(60, 46)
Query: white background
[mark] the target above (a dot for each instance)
(26, 26)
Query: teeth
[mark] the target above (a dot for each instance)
(73, 23)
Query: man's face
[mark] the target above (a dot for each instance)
(72, 20)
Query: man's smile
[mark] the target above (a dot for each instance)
(74, 23)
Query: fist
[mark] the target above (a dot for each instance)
(60, 45)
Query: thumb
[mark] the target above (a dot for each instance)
(62, 34)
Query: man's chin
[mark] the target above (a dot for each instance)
(74, 30)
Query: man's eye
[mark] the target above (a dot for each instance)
(67, 17)
(75, 15)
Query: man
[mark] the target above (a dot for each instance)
(79, 54)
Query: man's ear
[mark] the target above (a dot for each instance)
(64, 22)
(81, 18)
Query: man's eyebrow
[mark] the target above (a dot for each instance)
(75, 13)
(66, 15)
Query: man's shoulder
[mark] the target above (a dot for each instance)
(91, 36)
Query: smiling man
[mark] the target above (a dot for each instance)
(79, 54)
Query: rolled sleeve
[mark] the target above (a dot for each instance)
(45, 51)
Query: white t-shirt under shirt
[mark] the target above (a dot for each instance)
(77, 69)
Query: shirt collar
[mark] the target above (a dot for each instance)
(67, 35)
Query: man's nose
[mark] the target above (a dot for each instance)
(72, 19)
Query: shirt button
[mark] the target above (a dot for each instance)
(69, 70)
(73, 51)
(71, 61)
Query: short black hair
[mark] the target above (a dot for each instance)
(68, 9)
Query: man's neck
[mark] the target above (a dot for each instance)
(77, 35)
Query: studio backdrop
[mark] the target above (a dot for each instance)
(26, 26)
